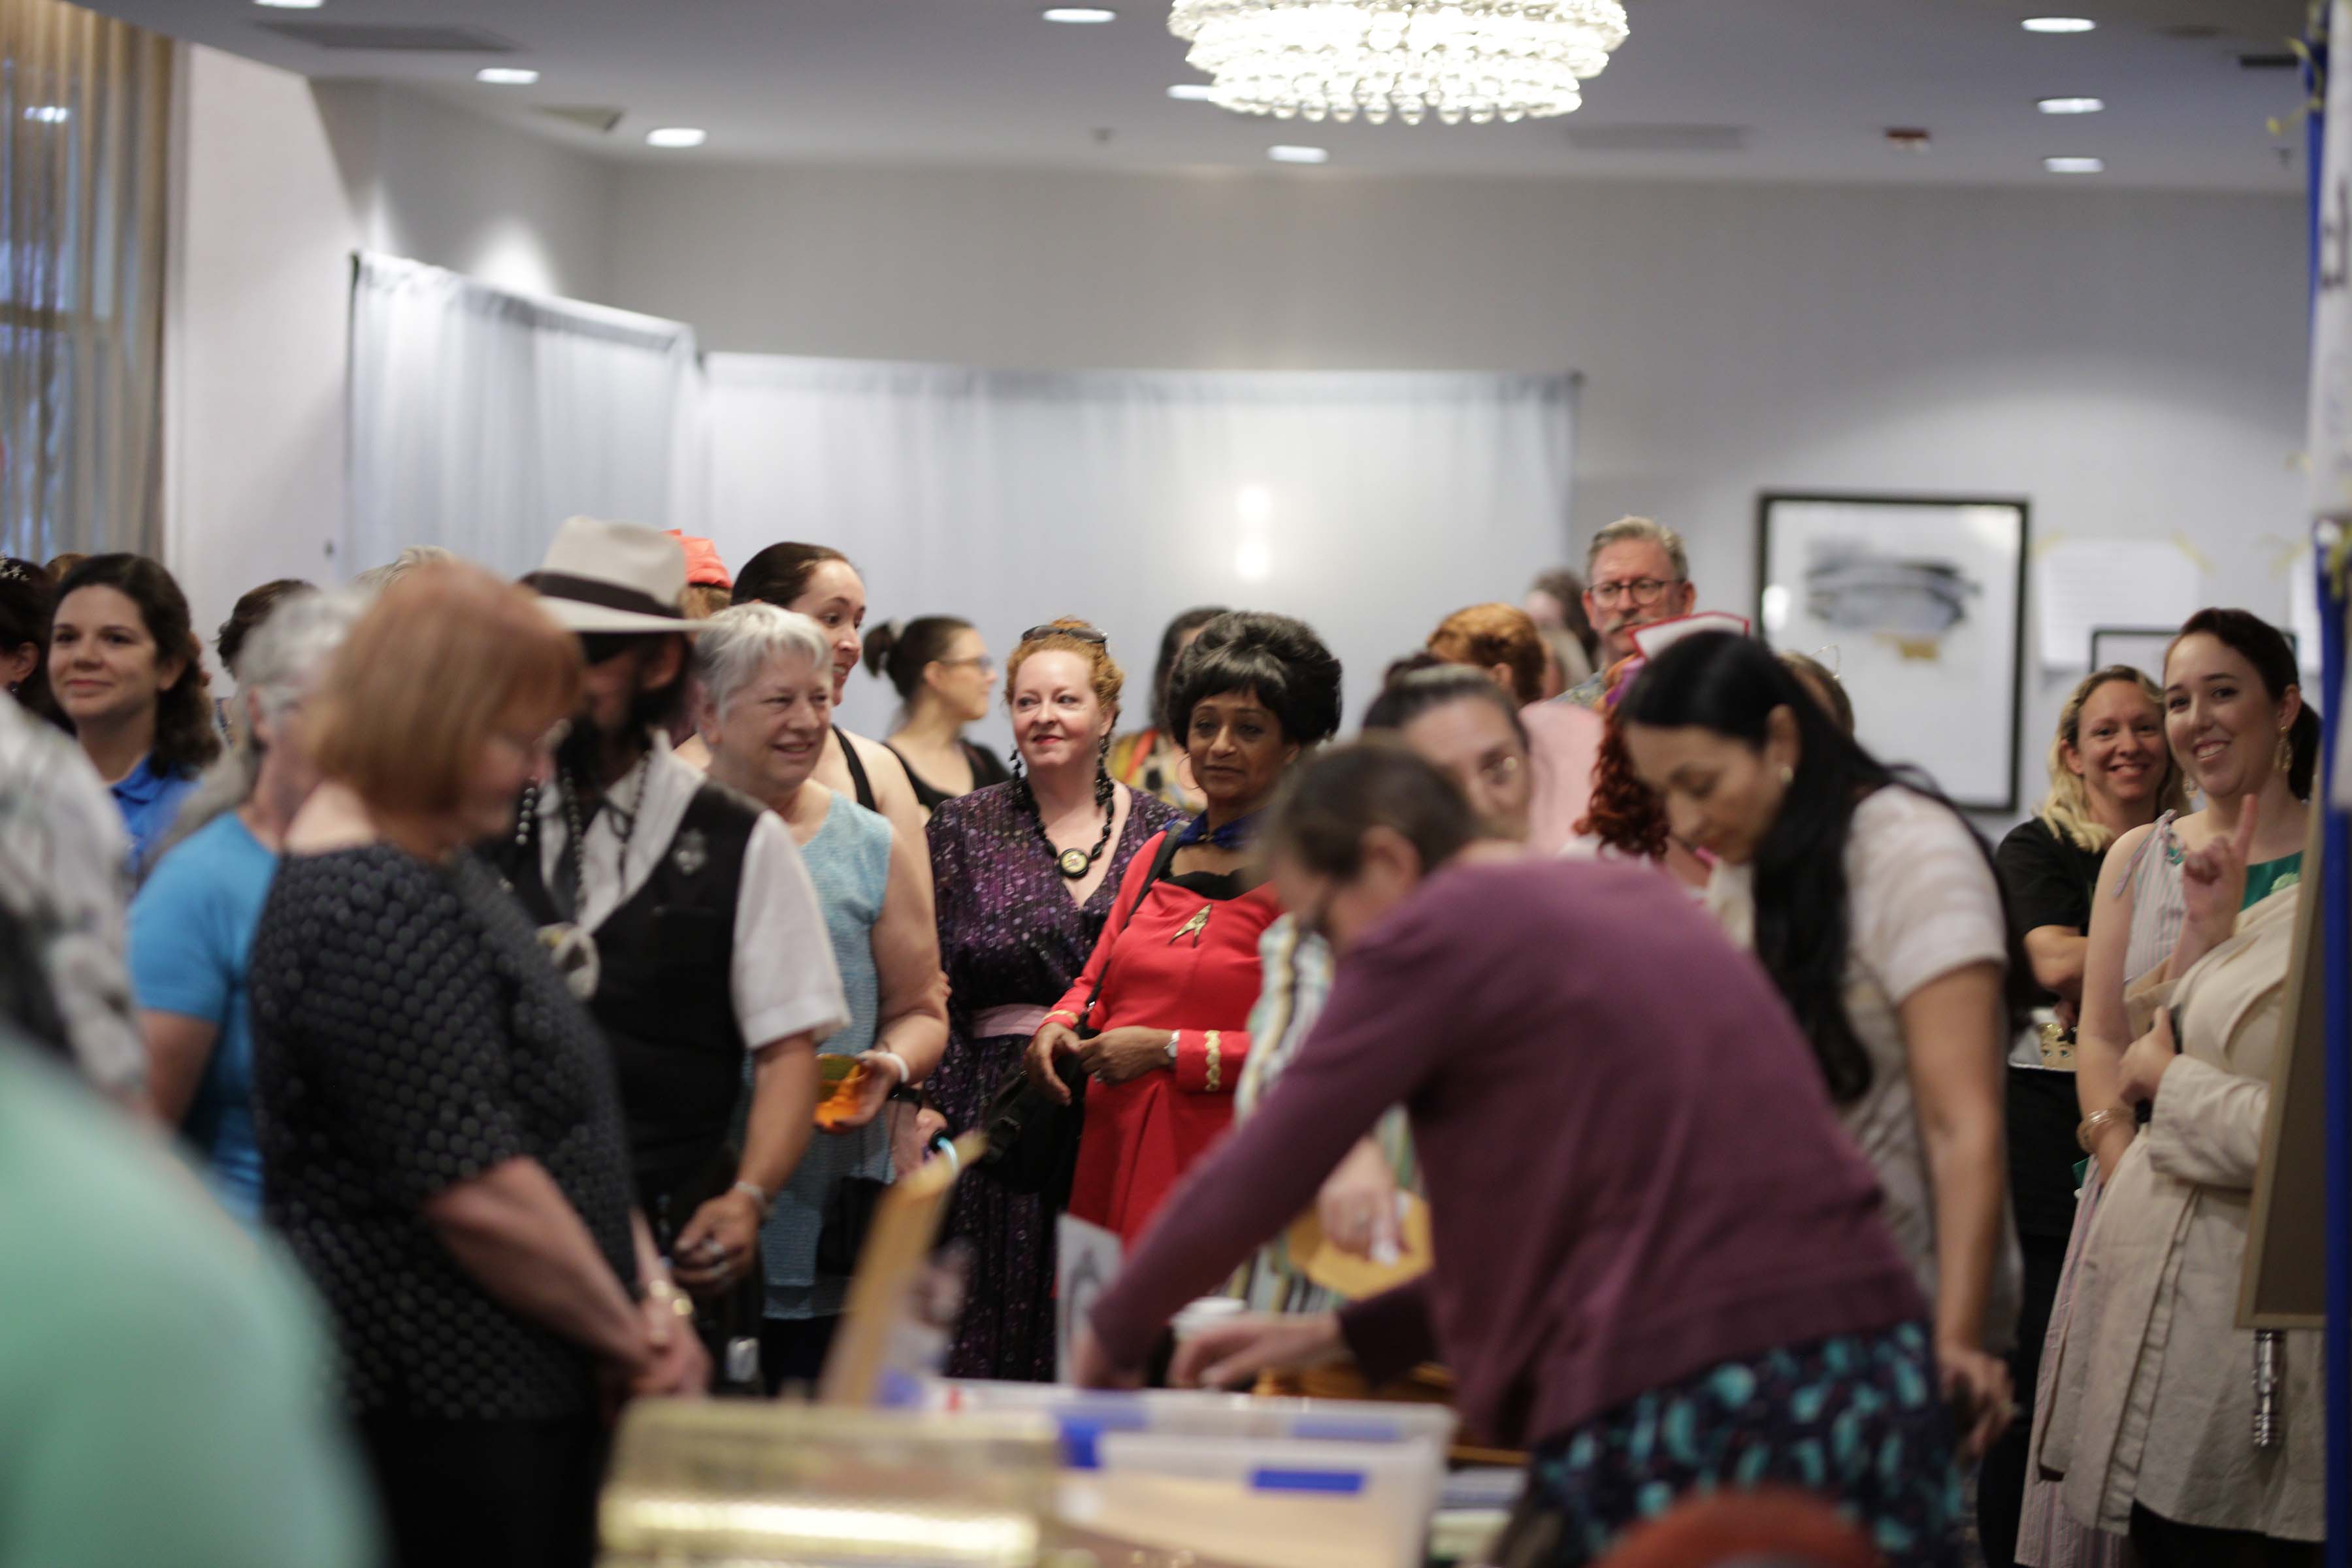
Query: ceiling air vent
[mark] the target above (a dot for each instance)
(1658, 138)
(407, 39)
(2278, 62)
(600, 121)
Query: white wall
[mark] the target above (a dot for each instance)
(2131, 362)
(281, 181)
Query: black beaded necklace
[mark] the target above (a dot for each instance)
(1074, 864)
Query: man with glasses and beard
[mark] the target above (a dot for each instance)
(682, 914)
(1637, 573)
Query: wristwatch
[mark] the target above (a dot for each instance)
(1171, 1049)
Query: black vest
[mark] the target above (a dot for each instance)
(665, 993)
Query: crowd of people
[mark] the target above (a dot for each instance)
(544, 989)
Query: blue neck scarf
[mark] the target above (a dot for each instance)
(1234, 834)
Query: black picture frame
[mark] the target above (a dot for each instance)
(1914, 632)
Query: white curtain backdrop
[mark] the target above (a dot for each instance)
(1370, 505)
(480, 419)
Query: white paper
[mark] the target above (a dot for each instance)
(2082, 584)
(2330, 433)
(1088, 1261)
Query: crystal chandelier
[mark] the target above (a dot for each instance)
(1479, 60)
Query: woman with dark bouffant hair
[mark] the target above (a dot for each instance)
(1151, 760)
(1873, 906)
(129, 674)
(1159, 1018)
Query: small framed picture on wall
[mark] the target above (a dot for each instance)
(1919, 603)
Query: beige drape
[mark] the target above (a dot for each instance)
(85, 119)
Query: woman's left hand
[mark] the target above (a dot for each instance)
(874, 1086)
(1977, 1390)
(718, 1244)
(1115, 1056)
(2143, 1065)
(2213, 878)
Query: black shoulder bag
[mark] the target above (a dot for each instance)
(1033, 1143)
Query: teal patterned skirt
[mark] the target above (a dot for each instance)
(1856, 1421)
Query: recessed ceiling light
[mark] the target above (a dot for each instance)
(1287, 154)
(1192, 92)
(2072, 105)
(2075, 165)
(2059, 23)
(1079, 13)
(291, 4)
(676, 136)
(48, 113)
(506, 76)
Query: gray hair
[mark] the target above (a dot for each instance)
(284, 659)
(1630, 529)
(735, 645)
(376, 579)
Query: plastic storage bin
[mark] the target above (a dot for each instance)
(1262, 1483)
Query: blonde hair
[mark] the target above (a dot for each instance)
(444, 657)
(1058, 636)
(2066, 809)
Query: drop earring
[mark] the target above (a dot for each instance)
(1788, 775)
(2283, 760)
(1019, 768)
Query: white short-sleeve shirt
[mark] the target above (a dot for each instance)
(1922, 901)
(782, 975)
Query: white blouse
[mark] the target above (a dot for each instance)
(1922, 902)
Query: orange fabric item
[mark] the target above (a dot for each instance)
(1165, 968)
(704, 567)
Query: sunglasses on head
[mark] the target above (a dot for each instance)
(1081, 634)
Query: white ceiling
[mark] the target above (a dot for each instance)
(1813, 84)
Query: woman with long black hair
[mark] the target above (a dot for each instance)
(1874, 908)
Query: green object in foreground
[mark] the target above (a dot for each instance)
(164, 1376)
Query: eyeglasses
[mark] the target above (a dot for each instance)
(1643, 591)
(981, 662)
(1080, 634)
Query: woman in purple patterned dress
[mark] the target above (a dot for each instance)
(1026, 873)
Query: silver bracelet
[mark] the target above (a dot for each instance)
(758, 1194)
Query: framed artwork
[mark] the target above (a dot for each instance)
(2142, 648)
(1919, 603)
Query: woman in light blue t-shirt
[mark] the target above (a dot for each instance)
(191, 924)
